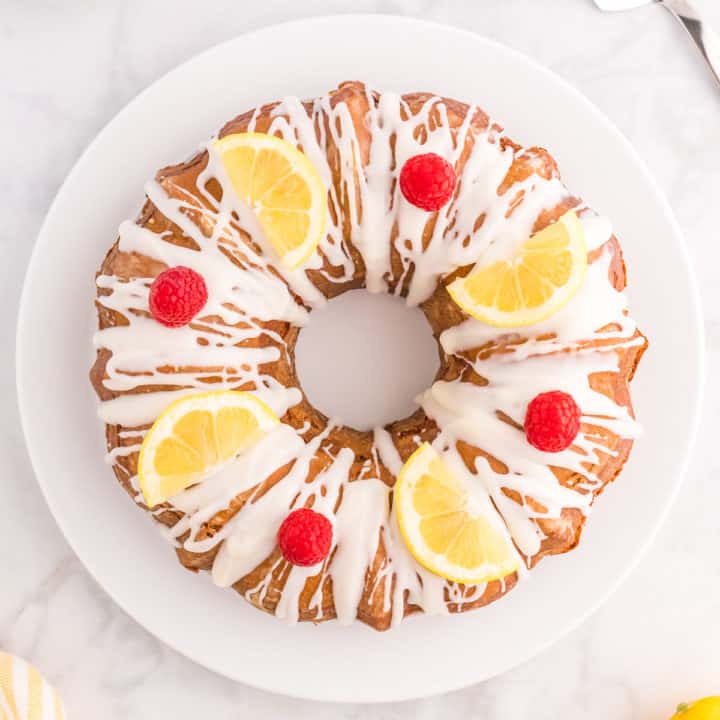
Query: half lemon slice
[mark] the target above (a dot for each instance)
(195, 436)
(282, 186)
(448, 531)
(545, 273)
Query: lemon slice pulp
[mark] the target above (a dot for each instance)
(544, 274)
(283, 187)
(195, 436)
(445, 529)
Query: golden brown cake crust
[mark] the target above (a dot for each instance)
(561, 534)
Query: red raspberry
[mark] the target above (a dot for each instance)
(177, 295)
(552, 421)
(427, 181)
(305, 537)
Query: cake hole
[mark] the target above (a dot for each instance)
(364, 358)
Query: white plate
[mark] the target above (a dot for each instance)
(119, 545)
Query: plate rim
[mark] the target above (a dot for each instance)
(23, 333)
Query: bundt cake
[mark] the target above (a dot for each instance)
(475, 415)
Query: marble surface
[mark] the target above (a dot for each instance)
(66, 68)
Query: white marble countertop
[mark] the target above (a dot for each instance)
(67, 67)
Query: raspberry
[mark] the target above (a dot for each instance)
(305, 537)
(427, 181)
(177, 295)
(552, 421)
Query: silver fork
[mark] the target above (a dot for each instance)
(707, 41)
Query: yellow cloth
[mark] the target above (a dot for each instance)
(25, 694)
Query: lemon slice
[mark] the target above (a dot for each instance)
(197, 435)
(530, 287)
(282, 186)
(447, 530)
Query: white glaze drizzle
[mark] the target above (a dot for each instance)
(230, 342)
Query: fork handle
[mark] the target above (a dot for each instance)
(703, 35)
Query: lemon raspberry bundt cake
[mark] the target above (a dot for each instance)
(200, 301)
